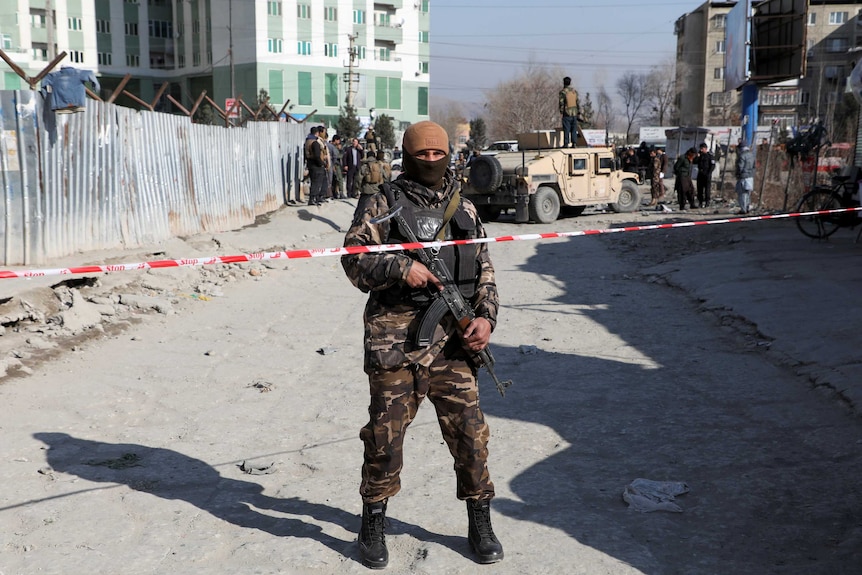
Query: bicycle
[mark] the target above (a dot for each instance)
(841, 195)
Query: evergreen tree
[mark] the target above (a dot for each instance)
(348, 123)
(385, 132)
(478, 134)
(587, 113)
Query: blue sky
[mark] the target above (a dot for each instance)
(477, 44)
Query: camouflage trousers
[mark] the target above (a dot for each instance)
(451, 385)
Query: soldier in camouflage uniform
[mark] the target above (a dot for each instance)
(400, 372)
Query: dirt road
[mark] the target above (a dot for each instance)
(123, 455)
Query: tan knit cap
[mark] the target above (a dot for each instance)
(425, 136)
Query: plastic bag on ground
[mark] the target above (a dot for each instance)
(646, 495)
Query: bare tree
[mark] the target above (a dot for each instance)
(663, 84)
(605, 112)
(450, 116)
(525, 103)
(631, 87)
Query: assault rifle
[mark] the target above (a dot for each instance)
(448, 299)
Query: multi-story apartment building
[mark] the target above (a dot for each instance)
(299, 51)
(833, 44)
(700, 50)
(834, 29)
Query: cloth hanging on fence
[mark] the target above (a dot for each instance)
(66, 87)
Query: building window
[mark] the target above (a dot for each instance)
(196, 26)
(6, 41)
(39, 53)
(161, 29)
(131, 28)
(104, 58)
(304, 85)
(330, 13)
(423, 36)
(422, 109)
(809, 46)
(359, 16)
(132, 2)
(384, 54)
(133, 60)
(719, 21)
(837, 18)
(720, 98)
(274, 45)
(37, 20)
(209, 56)
(833, 72)
(303, 48)
(360, 52)
(423, 67)
(181, 61)
(812, 18)
(273, 8)
(804, 97)
(76, 56)
(103, 26)
(718, 74)
(423, 6)
(387, 93)
(74, 24)
(303, 11)
(837, 44)
(276, 86)
(719, 47)
(331, 87)
(381, 19)
(196, 59)
(330, 50)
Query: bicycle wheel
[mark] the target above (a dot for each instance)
(819, 227)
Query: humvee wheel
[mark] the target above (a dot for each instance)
(545, 205)
(489, 213)
(486, 174)
(630, 198)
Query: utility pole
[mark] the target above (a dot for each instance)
(49, 24)
(351, 78)
(230, 47)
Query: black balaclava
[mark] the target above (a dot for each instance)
(425, 136)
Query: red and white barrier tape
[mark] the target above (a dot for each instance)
(323, 252)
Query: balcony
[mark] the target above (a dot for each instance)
(389, 33)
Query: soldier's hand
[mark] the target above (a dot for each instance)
(478, 334)
(418, 276)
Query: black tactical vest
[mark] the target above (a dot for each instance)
(462, 261)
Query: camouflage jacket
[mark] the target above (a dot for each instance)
(565, 109)
(390, 330)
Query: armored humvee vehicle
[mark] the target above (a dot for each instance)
(541, 179)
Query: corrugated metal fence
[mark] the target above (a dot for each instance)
(112, 177)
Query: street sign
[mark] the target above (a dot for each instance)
(231, 107)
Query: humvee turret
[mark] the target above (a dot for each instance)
(540, 180)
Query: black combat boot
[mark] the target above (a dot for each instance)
(372, 540)
(482, 539)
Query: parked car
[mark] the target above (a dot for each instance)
(501, 146)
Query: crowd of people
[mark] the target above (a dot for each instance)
(692, 173)
(338, 172)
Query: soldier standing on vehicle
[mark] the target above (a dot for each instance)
(570, 110)
(400, 372)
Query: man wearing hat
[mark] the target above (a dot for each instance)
(401, 373)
